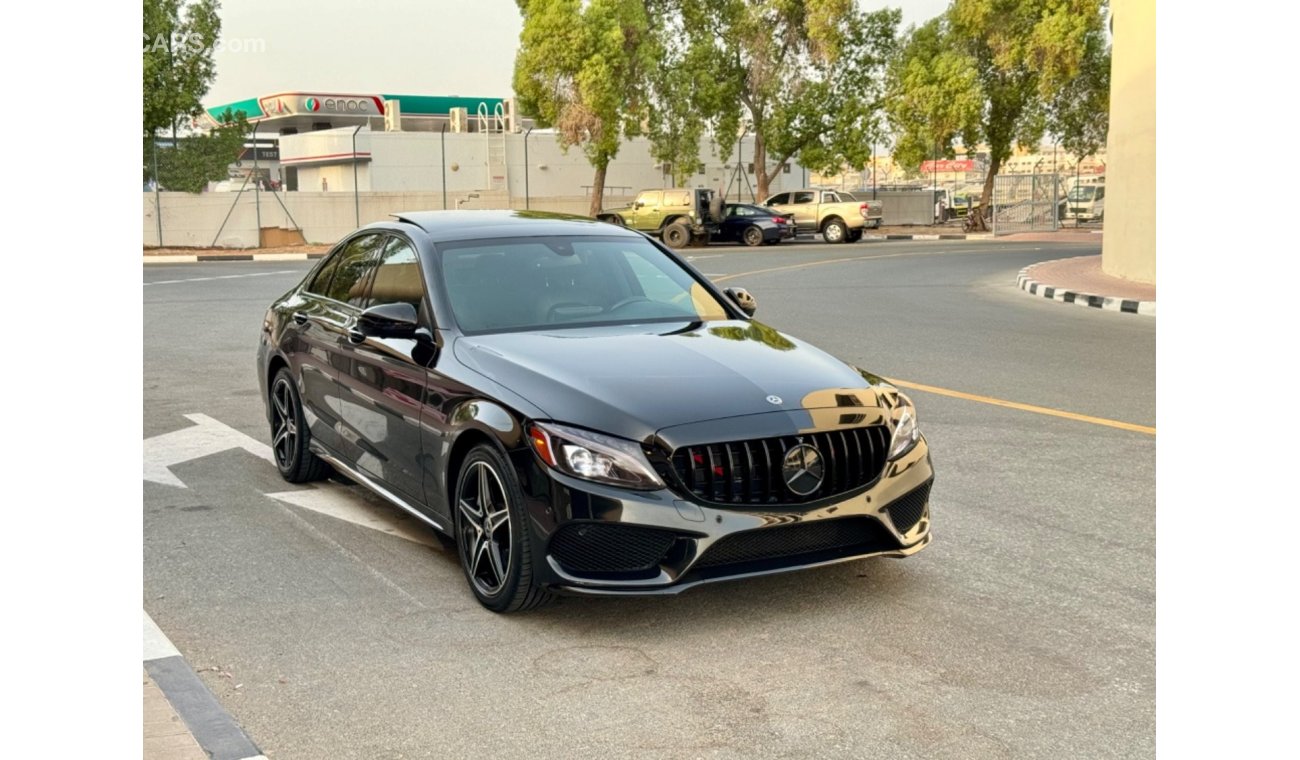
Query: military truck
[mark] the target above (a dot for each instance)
(839, 216)
(680, 216)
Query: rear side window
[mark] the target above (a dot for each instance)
(397, 278)
(677, 198)
(351, 275)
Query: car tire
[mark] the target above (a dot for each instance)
(855, 235)
(501, 578)
(752, 236)
(677, 235)
(835, 232)
(290, 438)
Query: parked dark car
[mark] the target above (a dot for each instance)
(582, 411)
(753, 225)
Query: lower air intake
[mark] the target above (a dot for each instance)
(584, 548)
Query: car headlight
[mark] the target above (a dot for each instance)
(906, 432)
(593, 456)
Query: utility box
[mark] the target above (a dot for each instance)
(392, 116)
(459, 119)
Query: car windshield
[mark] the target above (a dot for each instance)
(1082, 193)
(535, 283)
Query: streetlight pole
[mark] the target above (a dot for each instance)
(526, 134)
(934, 177)
(873, 170)
(157, 199)
(356, 190)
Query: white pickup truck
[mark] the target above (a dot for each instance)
(839, 216)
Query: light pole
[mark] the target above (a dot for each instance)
(934, 177)
(873, 170)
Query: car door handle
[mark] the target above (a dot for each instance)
(300, 317)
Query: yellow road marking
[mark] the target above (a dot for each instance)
(1026, 407)
(945, 391)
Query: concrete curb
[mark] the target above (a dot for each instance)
(212, 727)
(195, 258)
(935, 236)
(1106, 303)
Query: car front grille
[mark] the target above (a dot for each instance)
(585, 548)
(750, 472)
(907, 509)
(807, 541)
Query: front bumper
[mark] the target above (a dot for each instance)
(580, 531)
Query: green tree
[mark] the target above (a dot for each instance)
(194, 160)
(1000, 72)
(179, 39)
(582, 68)
(804, 77)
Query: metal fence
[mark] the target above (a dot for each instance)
(1026, 203)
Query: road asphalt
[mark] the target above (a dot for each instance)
(1026, 630)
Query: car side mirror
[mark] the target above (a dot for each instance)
(743, 299)
(389, 320)
(638, 204)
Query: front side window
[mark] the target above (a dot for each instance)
(355, 262)
(802, 198)
(397, 278)
(778, 199)
(529, 283)
(649, 198)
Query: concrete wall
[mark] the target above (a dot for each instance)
(404, 172)
(414, 162)
(1129, 245)
(193, 220)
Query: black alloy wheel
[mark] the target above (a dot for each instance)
(753, 236)
(491, 534)
(289, 434)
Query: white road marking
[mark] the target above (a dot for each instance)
(359, 507)
(352, 504)
(156, 643)
(221, 277)
(709, 256)
(207, 436)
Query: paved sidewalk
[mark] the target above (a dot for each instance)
(182, 718)
(166, 737)
(1081, 281)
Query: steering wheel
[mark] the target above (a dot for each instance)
(627, 302)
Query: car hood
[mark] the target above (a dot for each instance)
(632, 381)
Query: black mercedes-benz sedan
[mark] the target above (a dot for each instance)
(582, 411)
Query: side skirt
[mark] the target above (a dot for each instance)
(388, 495)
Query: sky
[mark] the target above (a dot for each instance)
(402, 47)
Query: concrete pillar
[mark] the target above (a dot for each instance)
(1129, 244)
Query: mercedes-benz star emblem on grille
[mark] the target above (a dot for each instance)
(803, 469)
(774, 400)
